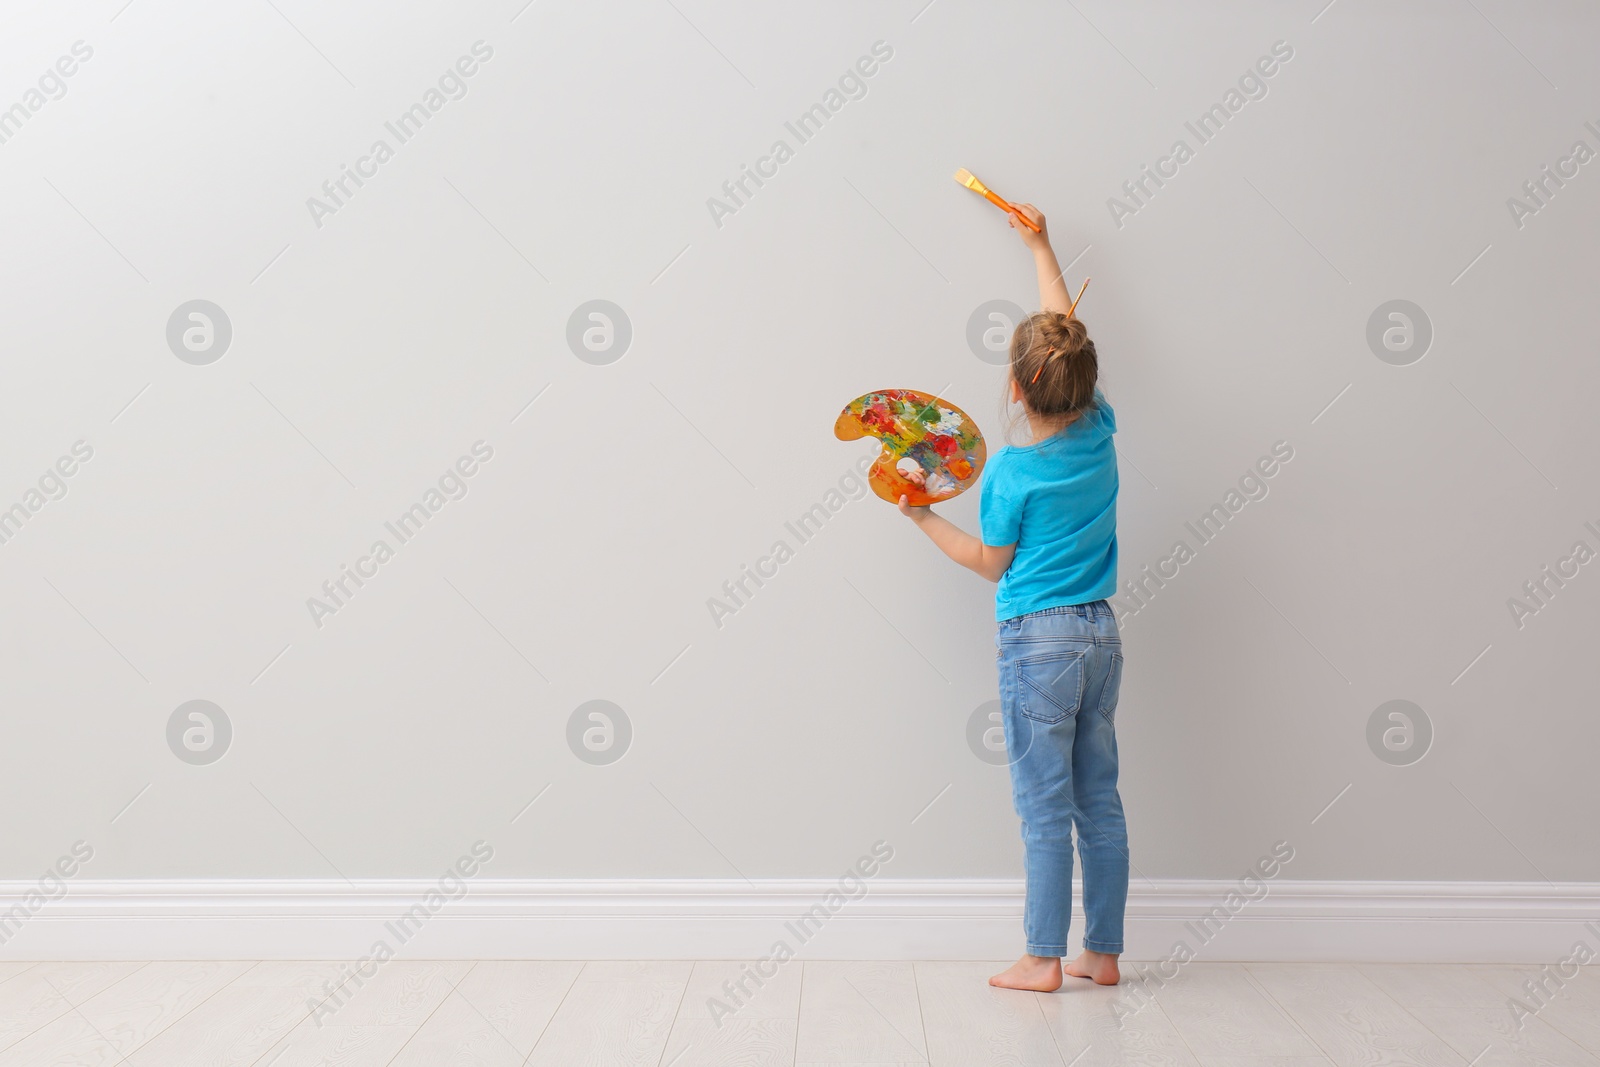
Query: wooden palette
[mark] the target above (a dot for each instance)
(932, 450)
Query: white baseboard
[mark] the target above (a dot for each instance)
(924, 919)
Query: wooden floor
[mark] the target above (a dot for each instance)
(614, 1014)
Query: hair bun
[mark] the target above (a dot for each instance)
(1054, 361)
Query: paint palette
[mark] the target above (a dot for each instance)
(931, 450)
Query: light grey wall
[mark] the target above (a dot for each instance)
(427, 312)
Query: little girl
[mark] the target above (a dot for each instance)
(1048, 511)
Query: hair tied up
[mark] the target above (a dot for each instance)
(1059, 343)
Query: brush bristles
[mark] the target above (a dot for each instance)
(970, 180)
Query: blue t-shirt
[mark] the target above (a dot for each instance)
(1057, 502)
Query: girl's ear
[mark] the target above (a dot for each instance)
(1016, 392)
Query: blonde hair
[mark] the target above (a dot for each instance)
(1054, 362)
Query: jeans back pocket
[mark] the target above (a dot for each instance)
(1050, 684)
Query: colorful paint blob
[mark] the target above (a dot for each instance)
(931, 450)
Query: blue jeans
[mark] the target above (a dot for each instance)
(1060, 671)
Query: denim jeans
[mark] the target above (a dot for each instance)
(1060, 671)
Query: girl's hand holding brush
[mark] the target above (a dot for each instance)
(1035, 236)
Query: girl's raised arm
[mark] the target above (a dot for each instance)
(1053, 295)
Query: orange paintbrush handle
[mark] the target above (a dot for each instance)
(1009, 209)
(996, 200)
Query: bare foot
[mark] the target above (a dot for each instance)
(1096, 965)
(1031, 972)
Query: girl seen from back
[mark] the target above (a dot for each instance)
(1048, 516)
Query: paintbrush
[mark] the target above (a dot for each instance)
(970, 180)
(1077, 298)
